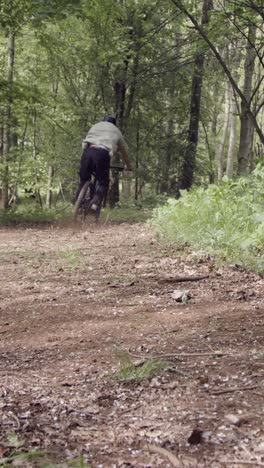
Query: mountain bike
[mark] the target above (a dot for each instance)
(82, 207)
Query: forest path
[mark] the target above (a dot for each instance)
(74, 302)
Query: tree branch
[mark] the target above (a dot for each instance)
(179, 4)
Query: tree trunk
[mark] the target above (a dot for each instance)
(137, 161)
(14, 196)
(193, 133)
(126, 186)
(51, 170)
(169, 184)
(133, 86)
(167, 157)
(114, 194)
(1, 150)
(217, 104)
(49, 186)
(120, 89)
(8, 121)
(221, 147)
(232, 135)
(34, 155)
(246, 127)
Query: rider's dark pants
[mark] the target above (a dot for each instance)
(95, 161)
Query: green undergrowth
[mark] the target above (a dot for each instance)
(71, 259)
(226, 220)
(18, 455)
(126, 214)
(131, 372)
(29, 213)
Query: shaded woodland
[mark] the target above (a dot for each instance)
(183, 77)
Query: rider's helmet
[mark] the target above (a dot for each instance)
(110, 118)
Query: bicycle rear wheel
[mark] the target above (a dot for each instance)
(77, 207)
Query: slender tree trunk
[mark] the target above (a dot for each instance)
(167, 157)
(49, 186)
(126, 181)
(246, 127)
(168, 183)
(211, 154)
(137, 160)
(221, 147)
(133, 86)
(51, 171)
(1, 148)
(217, 100)
(251, 161)
(259, 147)
(120, 89)
(34, 155)
(8, 121)
(193, 133)
(235, 59)
(114, 193)
(21, 152)
(232, 134)
(126, 186)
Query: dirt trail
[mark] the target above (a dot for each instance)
(74, 302)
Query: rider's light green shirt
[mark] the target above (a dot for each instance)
(106, 134)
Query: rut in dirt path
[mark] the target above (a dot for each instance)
(73, 302)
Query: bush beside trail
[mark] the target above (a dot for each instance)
(227, 220)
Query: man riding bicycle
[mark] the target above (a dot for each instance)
(101, 142)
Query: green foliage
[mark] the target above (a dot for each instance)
(129, 372)
(126, 214)
(18, 456)
(227, 220)
(77, 462)
(71, 259)
(30, 213)
(72, 57)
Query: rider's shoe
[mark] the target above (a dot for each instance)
(94, 207)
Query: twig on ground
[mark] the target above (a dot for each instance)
(182, 279)
(16, 419)
(173, 370)
(233, 389)
(210, 347)
(145, 358)
(240, 462)
(24, 382)
(259, 394)
(128, 410)
(164, 453)
(180, 355)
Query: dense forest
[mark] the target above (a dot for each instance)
(184, 79)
